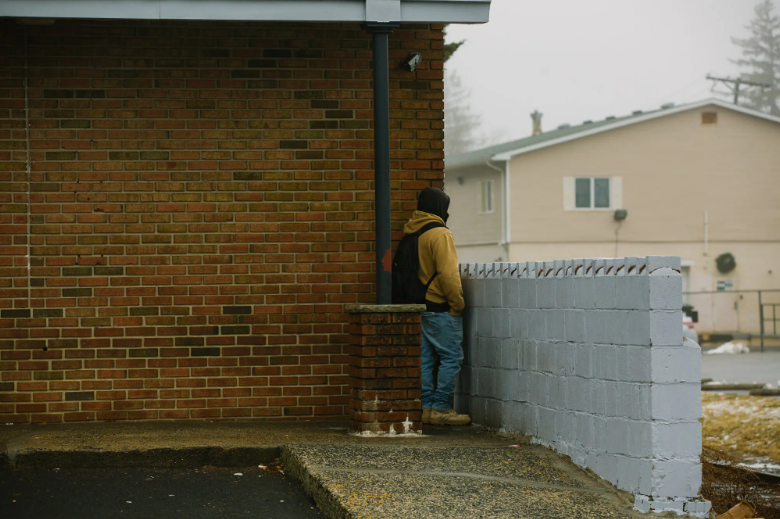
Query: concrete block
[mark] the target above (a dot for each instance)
(478, 410)
(546, 353)
(676, 401)
(546, 424)
(478, 293)
(599, 434)
(675, 364)
(515, 384)
(501, 323)
(513, 420)
(510, 295)
(527, 293)
(639, 328)
(574, 322)
(598, 403)
(632, 292)
(595, 323)
(610, 398)
(518, 327)
(616, 327)
(584, 292)
(666, 327)
(582, 360)
(656, 262)
(565, 358)
(493, 290)
(466, 381)
(605, 361)
(530, 358)
(545, 290)
(692, 507)
(584, 430)
(634, 364)
(676, 440)
(489, 352)
(555, 325)
(627, 473)
(676, 478)
(618, 437)
(509, 354)
(537, 325)
(494, 413)
(484, 325)
(604, 291)
(665, 288)
(640, 439)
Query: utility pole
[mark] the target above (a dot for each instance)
(737, 84)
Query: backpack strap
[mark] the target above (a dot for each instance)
(423, 230)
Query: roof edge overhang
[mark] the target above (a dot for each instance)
(403, 11)
(508, 155)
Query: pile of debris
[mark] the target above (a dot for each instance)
(724, 483)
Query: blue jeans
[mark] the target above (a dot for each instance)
(442, 338)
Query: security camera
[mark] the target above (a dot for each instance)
(411, 62)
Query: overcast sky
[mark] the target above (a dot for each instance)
(587, 59)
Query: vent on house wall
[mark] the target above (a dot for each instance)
(709, 117)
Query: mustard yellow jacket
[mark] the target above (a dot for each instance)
(436, 249)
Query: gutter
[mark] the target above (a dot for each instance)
(406, 11)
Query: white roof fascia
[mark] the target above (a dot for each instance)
(421, 11)
(634, 120)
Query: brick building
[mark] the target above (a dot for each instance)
(187, 206)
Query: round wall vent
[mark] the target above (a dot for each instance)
(726, 263)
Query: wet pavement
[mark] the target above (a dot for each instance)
(134, 493)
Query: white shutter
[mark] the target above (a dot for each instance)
(616, 186)
(568, 193)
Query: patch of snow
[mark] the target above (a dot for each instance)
(730, 348)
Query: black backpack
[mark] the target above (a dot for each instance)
(407, 287)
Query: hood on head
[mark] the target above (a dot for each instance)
(433, 200)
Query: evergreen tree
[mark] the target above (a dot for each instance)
(451, 48)
(461, 124)
(761, 59)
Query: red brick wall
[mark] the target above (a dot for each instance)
(200, 210)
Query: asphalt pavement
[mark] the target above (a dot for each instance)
(137, 493)
(744, 368)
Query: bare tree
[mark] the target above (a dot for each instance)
(461, 124)
(761, 58)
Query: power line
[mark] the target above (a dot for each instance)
(737, 84)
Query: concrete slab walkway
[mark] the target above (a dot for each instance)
(450, 472)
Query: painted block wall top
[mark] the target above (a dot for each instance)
(405, 11)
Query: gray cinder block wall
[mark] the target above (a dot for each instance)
(587, 357)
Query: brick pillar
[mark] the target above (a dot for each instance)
(384, 369)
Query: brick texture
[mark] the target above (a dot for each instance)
(199, 209)
(384, 373)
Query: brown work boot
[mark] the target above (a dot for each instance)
(449, 418)
(426, 416)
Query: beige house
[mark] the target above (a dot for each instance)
(695, 181)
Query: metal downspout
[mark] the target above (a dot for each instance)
(505, 209)
(384, 260)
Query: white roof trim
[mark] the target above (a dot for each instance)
(422, 11)
(507, 155)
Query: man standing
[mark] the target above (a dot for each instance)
(442, 324)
